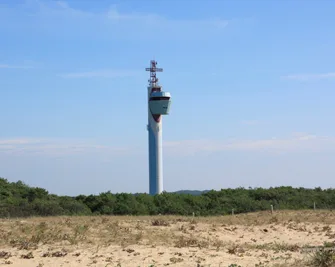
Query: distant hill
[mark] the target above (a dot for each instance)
(183, 192)
(192, 192)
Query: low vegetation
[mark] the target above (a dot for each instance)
(20, 200)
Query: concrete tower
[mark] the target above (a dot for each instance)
(158, 104)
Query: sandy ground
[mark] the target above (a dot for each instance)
(258, 239)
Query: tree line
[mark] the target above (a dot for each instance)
(20, 200)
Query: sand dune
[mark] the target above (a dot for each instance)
(284, 238)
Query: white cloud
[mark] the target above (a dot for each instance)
(18, 141)
(53, 8)
(308, 77)
(295, 142)
(157, 20)
(101, 73)
(250, 122)
(59, 18)
(61, 147)
(114, 15)
(57, 147)
(7, 66)
(24, 64)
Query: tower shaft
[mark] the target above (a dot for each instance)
(155, 153)
(158, 105)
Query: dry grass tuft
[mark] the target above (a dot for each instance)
(160, 222)
(323, 258)
(5, 255)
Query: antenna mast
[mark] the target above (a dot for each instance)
(153, 79)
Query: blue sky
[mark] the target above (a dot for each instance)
(252, 85)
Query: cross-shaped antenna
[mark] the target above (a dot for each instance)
(153, 79)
